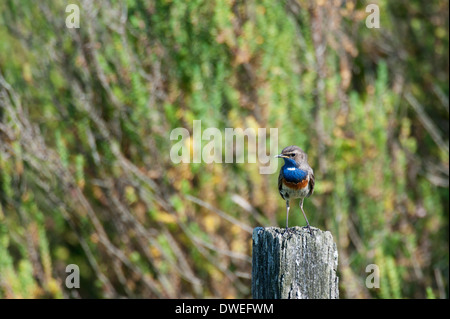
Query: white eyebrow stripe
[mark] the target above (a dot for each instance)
(291, 168)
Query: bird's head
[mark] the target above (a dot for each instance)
(293, 156)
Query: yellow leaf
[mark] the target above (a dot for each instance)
(211, 223)
(26, 72)
(165, 218)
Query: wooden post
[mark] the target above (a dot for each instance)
(294, 264)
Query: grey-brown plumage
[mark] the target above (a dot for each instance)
(296, 179)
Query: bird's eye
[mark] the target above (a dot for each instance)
(292, 155)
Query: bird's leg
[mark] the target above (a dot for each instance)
(304, 215)
(287, 214)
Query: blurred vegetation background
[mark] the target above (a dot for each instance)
(86, 115)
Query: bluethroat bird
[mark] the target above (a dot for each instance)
(296, 179)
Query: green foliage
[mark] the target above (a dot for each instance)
(86, 116)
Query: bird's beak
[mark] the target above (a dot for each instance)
(281, 155)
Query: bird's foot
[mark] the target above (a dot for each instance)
(311, 231)
(288, 232)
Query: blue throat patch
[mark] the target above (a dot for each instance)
(292, 173)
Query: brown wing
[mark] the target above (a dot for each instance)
(312, 182)
(280, 184)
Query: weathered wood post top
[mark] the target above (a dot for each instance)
(293, 264)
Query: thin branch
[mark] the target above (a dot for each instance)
(427, 123)
(222, 214)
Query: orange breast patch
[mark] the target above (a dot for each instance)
(297, 186)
